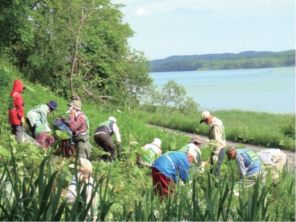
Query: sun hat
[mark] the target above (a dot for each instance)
(112, 118)
(157, 142)
(52, 104)
(193, 153)
(76, 104)
(197, 140)
(84, 165)
(205, 115)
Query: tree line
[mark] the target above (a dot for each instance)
(244, 60)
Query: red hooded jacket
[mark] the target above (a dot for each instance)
(16, 106)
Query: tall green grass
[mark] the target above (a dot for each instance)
(265, 129)
(38, 195)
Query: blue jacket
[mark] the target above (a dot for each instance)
(248, 162)
(173, 164)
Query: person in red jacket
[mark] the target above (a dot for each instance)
(16, 110)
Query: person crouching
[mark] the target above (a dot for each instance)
(168, 167)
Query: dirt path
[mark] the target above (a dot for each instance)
(290, 155)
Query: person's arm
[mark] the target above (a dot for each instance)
(117, 133)
(241, 166)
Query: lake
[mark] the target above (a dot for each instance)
(264, 90)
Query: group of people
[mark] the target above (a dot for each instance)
(168, 167)
(33, 127)
(165, 168)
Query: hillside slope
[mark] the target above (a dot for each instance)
(131, 129)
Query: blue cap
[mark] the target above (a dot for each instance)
(52, 105)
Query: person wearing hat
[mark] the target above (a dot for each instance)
(169, 167)
(36, 118)
(79, 125)
(216, 134)
(103, 137)
(150, 152)
(248, 162)
(16, 110)
(84, 180)
(194, 144)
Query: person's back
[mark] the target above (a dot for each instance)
(105, 127)
(103, 137)
(16, 105)
(16, 110)
(217, 132)
(38, 115)
(150, 152)
(271, 156)
(274, 161)
(248, 162)
(172, 164)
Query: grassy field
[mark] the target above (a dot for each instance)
(265, 129)
(33, 181)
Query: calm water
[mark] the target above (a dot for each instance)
(268, 90)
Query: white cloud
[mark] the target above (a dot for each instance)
(141, 12)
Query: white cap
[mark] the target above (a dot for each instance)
(112, 118)
(157, 142)
(205, 114)
(193, 153)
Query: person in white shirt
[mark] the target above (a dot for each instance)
(85, 181)
(217, 136)
(150, 152)
(103, 137)
(273, 160)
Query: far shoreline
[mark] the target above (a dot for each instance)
(275, 67)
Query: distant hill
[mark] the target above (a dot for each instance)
(242, 60)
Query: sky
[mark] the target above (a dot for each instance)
(186, 27)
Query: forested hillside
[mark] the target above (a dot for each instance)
(73, 46)
(243, 60)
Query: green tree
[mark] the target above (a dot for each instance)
(172, 94)
(75, 46)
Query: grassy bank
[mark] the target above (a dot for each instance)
(32, 181)
(265, 129)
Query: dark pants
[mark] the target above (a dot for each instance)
(105, 141)
(217, 166)
(162, 185)
(83, 146)
(31, 129)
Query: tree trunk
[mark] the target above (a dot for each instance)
(82, 18)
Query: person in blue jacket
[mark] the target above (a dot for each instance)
(247, 161)
(169, 167)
